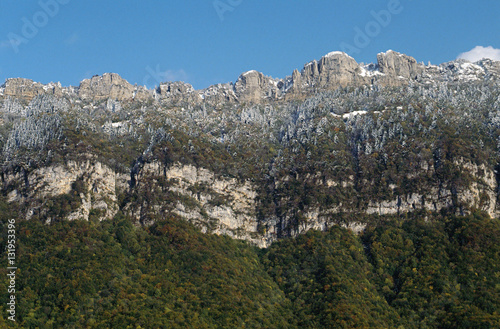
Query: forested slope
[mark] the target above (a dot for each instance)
(438, 272)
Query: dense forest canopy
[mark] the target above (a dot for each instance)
(438, 272)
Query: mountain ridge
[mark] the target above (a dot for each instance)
(335, 69)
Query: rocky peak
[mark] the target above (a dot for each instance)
(218, 94)
(491, 68)
(26, 88)
(395, 65)
(337, 61)
(167, 89)
(109, 85)
(253, 86)
(335, 69)
(310, 70)
(177, 93)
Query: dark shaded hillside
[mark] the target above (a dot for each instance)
(113, 275)
(441, 272)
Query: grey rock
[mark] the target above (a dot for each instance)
(177, 93)
(253, 86)
(395, 65)
(171, 89)
(334, 70)
(218, 94)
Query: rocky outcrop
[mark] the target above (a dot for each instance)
(183, 94)
(177, 94)
(479, 194)
(174, 89)
(109, 85)
(334, 70)
(222, 205)
(215, 204)
(253, 86)
(337, 69)
(398, 66)
(99, 188)
(25, 88)
(219, 94)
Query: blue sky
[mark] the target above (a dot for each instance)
(210, 41)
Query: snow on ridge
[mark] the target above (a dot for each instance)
(390, 51)
(335, 53)
(369, 70)
(311, 63)
(248, 72)
(51, 85)
(386, 52)
(465, 70)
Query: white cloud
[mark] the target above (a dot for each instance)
(480, 52)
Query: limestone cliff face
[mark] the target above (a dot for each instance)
(100, 185)
(481, 194)
(475, 190)
(215, 204)
(337, 69)
(221, 205)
